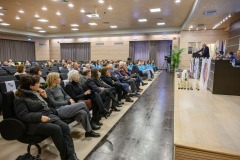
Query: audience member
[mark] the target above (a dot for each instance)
(66, 107)
(31, 108)
(20, 70)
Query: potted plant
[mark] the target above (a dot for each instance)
(175, 57)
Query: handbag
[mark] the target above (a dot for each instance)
(88, 103)
(28, 156)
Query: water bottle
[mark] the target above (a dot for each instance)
(233, 62)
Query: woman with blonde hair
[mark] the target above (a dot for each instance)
(66, 107)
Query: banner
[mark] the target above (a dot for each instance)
(195, 68)
(191, 65)
(217, 46)
(206, 64)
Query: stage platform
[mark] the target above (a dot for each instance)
(206, 126)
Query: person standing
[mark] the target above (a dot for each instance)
(205, 51)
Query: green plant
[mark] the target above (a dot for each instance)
(175, 57)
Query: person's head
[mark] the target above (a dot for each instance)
(21, 68)
(117, 66)
(104, 71)
(53, 79)
(95, 73)
(204, 45)
(221, 52)
(87, 66)
(28, 82)
(87, 73)
(231, 53)
(10, 61)
(35, 70)
(73, 76)
(110, 66)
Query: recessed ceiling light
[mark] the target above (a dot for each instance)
(113, 26)
(205, 28)
(58, 13)
(177, 1)
(4, 24)
(142, 20)
(191, 26)
(100, 1)
(29, 39)
(36, 16)
(82, 11)
(155, 10)
(1, 20)
(43, 20)
(110, 8)
(74, 29)
(42, 31)
(1, 14)
(52, 26)
(37, 27)
(70, 5)
(21, 11)
(17, 17)
(92, 24)
(197, 29)
(44, 8)
(161, 23)
(229, 15)
(74, 25)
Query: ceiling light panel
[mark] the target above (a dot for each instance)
(74, 25)
(42, 31)
(101, 1)
(1, 14)
(44, 8)
(5, 24)
(43, 20)
(113, 26)
(36, 16)
(110, 8)
(17, 17)
(70, 5)
(155, 10)
(82, 11)
(177, 1)
(74, 29)
(52, 27)
(21, 11)
(58, 13)
(161, 23)
(142, 20)
(92, 24)
(37, 27)
(1, 20)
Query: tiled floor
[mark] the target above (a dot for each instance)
(145, 132)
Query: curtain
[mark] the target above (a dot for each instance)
(17, 50)
(76, 51)
(151, 50)
(139, 50)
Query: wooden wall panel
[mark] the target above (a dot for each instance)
(234, 35)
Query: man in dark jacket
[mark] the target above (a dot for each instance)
(205, 51)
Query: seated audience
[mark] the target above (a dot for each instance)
(231, 57)
(66, 107)
(76, 92)
(27, 63)
(11, 63)
(20, 70)
(31, 108)
(35, 70)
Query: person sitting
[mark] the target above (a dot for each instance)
(231, 57)
(31, 108)
(97, 85)
(20, 70)
(65, 106)
(11, 63)
(5, 64)
(74, 89)
(27, 63)
(35, 70)
(238, 61)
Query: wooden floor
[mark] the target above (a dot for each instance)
(206, 126)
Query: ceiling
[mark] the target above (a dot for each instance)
(124, 15)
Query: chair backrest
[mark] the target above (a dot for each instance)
(63, 71)
(7, 78)
(3, 72)
(8, 105)
(63, 83)
(63, 76)
(8, 86)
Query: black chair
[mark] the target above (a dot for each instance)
(8, 86)
(63, 71)
(63, 76)
(3, 72)
(13, 129)
(7, 78)
(12, 71)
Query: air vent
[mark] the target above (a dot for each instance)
(209, 12)
(118, 43)
(200, 25)
(99, 44)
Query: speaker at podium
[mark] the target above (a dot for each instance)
(196, 55)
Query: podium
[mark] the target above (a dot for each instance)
(196, 55)
(224, 78)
